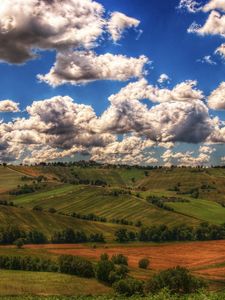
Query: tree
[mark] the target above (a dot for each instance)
(120, 259)
(76, 265)
(177, 280)
(19, 243)
(122, 235)
(128, 287)
(103, 270)
(144, 263)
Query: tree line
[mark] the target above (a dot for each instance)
(13, 235)
(162, 233)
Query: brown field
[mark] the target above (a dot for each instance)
(193, 255)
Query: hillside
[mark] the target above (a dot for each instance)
(48, 223)
(115, 193)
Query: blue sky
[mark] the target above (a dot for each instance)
(161, 36)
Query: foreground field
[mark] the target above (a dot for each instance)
(33, 283)
(206, 259)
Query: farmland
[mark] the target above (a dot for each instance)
(60, 197)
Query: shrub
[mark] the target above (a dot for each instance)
(104, 256)
(128, 287)
(75, 265)
(27, 263)
(104, 269)
(19, 243)
(120, 259)
(177, 280)
(144, 263)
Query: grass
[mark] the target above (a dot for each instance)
(202, 209)
(9, 179)
(48, 223)
(100, 201)
(34, 283)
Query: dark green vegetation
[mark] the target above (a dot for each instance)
(91, 203)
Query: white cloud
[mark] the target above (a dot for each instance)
(163, 78)
(189, 158)
(221, 50)
(9, 106)
(82, 67)
(216, 99)
(41, 24)
(118, 23)
(214, 4)
(191, 6)
(214, 25)
(208, 60)
(176, 119)
(59, 127)
(131, 150)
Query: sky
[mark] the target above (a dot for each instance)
(129, 82)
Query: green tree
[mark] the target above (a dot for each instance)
(177, 280)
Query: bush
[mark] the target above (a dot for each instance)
(144, 263)
(122, 235)
(104, 269)
(177, 280)
(104, 256)
(19, 243)
(75, 265)
(27, 263)
(120, 259)
(128, 287)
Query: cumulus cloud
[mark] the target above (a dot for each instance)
(216, 99)
(163, 78)
(40, 24)
(215, 25)
(131, 150)
(189, 158)
(82, 67)
(170, 121)
(59, 127)
(118, 23)
(9, 106)
(214, 4)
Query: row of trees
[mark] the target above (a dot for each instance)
(9, 235)
(162, 233)
(70, 236)
(13, 235)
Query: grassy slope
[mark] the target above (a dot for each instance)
(163, 179)
(206, 210)
(86, 199)
(27, 283)
(9, 179)
(48, 223)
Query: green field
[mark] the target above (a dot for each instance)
(9, 179)
(87, 199)
(28, 283)
(202, 209)
(48, 223)
(124, 196)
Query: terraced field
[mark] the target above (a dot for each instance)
(48, 223)
(100, 201)
(202, 209)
